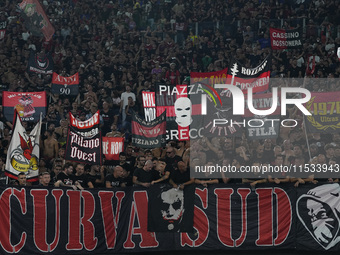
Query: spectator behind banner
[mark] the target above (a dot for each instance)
(66, 178)
(45, 179)
(163, 172)
(125, 101)
(171, 158)
(22, 180)
(144, 176)
(97, 176)
(81, 178)
(180, 177)
(115, 179)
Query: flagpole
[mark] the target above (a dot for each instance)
(304, 123)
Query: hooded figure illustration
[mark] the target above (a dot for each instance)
(319, 212)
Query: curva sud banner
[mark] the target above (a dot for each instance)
(61, 221)
(68, 86)
(84, 140)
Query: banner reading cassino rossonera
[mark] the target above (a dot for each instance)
(61, 221)
(286, 39)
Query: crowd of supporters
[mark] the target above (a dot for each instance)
(121, 48)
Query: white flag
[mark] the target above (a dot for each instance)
(23, 151)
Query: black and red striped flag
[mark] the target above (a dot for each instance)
(68, 86)
(148, 134)
(243, 77)
(28, 104)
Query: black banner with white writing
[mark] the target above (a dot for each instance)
(84, 141)
(148, 134)
(68, 86)
(66, 221)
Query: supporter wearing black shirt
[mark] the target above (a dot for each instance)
(163, 172)
(268, 151)
(97, 176)
(180, 177)
(107, 115)
(81, 178)
(45, 180)
(66, 177)
(121, 162)
(144, 176)
(130, 159)
(115, 179)
(171, 158)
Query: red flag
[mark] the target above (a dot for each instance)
(36, 20)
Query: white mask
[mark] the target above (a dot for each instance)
(183, 109)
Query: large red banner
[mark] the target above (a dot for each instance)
(61, 221)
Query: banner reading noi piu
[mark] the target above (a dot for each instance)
(66, 221)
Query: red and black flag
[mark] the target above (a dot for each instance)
(29, 105)
(211, 78)
(68, 86)
(35, 19)
(3, 25)
(84, 140)
(282, 39)
(243, 77)
(40, 63)
(112, 146)
(148, 134)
